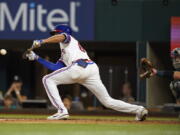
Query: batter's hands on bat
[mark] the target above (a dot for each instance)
(32, 56)
(37, 43)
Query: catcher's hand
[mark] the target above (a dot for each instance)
(146, 68)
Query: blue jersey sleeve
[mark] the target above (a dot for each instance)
(50, 65)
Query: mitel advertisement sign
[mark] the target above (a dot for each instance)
(33, 19)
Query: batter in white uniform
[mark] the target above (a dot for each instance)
(75, 66)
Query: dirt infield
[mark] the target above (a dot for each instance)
(87, 121)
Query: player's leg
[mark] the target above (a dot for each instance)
(50, 81)
(95, 85)
(99, 90)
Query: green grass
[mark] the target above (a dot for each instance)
(86, 129)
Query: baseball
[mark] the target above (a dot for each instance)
(3, 52)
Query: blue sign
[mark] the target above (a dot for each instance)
(33, 19)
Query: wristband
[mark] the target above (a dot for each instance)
(41, 41)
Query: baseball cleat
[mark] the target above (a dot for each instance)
(59, 116)
(141, 115)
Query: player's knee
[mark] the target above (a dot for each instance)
(46, 79)
(108, 102)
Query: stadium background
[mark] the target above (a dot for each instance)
(119, 34)
(116, 35)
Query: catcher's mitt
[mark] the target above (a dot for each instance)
(146, 68)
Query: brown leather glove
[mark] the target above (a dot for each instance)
(146, 68)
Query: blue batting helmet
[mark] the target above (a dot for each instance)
(58, 29)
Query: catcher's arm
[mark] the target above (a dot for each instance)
(148, 70)
(175, 75)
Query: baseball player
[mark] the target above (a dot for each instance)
(75, 66)
(173, 75)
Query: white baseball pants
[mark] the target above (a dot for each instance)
(88, 77)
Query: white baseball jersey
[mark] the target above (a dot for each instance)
(72, 51)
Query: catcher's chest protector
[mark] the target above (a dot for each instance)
(175, 88)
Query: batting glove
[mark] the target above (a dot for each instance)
(37, 43)
(32, 56)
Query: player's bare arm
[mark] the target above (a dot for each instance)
(54, 39)
(59, 34)
(176, 75)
